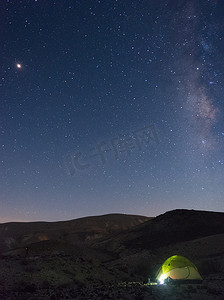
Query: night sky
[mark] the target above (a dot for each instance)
(110, 106)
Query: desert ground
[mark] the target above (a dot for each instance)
(111, 256)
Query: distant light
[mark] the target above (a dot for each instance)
(19, 66)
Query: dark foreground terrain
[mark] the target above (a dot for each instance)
(210, 289)
(110, 257)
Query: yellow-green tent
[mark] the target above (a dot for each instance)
(178, 267)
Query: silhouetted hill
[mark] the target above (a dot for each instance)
(81, 254)
(170, 228)
(16, 235)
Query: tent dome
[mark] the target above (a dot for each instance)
(178, 267)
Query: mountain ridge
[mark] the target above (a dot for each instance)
(21, 234)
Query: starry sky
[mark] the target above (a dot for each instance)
(110, 106)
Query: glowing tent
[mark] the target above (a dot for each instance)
(178, 268)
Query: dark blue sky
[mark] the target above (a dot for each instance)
(110, 106)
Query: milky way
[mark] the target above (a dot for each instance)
(194, 63)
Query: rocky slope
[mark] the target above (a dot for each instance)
(19, 235)
(93, 257)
